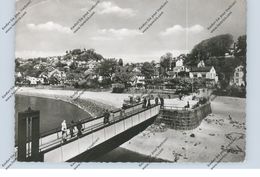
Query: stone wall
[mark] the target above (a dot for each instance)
(185, 119)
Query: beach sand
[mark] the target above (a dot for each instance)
(108, 98)
(212, 137)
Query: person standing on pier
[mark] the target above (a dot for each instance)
(156, 100)
(188, 105)
(162, 102)
(79, 127)
(144, 102)
(106, 117)
(149, 103)
(71, 129)
(64, 130)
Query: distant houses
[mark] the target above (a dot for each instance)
(75, 66)
(34, 80)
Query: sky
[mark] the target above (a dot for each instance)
(113, 31)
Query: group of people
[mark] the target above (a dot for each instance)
(147, 101)
(74, 129)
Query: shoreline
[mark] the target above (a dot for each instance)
(107, 98)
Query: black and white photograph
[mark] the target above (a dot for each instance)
(136, 81)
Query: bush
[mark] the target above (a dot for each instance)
(233, 91)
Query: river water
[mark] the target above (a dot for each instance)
(52, 112)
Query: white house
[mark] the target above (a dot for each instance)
(179, 62)
(18, 74)
(34, 80)
(204, 72)
(201, 64)
(139, 78)
(238, 76)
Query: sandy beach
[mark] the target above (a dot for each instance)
(223, 130)
(213, 136)
(112, 99)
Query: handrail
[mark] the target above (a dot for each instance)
(58, 129)
(96, 127)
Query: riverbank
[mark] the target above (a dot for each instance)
(94, 103)
(112, 99)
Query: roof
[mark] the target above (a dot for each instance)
(201, 69)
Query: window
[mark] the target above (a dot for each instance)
(195, 75)
(204, 75)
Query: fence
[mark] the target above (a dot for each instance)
(65, 151)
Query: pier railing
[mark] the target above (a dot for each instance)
(96, 133)
(52, 137)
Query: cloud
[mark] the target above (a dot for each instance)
(176, 29)
(116, 34)
(107, 7)
(49, 26)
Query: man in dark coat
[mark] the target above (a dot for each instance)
(156, 100)
(149, 103)
(162, 102)
(144, 102)
(79, 127)
(71, 129)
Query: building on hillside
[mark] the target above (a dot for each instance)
(60, 75)
(238, 79)
(18, 75)
(177, 70)
(92, 65)
(201, 64)
(179, 63)
(139, 79)
(82, 64)
(207, 72)
(155, 75)
(34, 80)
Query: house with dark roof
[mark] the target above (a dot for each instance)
(202, 71)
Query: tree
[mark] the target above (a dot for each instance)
(17, 65)
(215, 46)
(106, 67)
(60, 64)
(53, 80)
(123, 76)
(73, 66)
(147, 70)
(240, 47)
(120, 62)
(165, 61)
